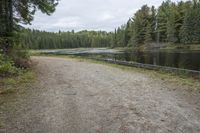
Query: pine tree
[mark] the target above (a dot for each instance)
(171, 26)
(148, 34)
(162, 17)
(13, 12)
(152, 22)
(190, 30)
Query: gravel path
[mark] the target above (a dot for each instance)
(80, 97)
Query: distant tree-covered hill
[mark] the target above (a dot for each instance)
(35, 39)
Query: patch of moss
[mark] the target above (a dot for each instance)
(9, 85)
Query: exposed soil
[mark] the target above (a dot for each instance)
(81, 97)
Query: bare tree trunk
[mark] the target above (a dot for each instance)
(3, 19)
(10, 17)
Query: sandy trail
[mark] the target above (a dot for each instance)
(81, 97)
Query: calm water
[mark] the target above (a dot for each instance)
(184, 59)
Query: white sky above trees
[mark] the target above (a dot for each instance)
(89, 14)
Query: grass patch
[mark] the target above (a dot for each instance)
(10, 88)
(10, 85)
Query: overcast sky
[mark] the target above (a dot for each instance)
(90, 14)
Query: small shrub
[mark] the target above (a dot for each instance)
(20, 56)
(7, 66)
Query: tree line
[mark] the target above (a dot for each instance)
(171, 23)
(35, 39)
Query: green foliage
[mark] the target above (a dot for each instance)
(35, 39)
(171, 25)
(120, 37)
(9, 85)
(13, 12)
(7, 66)
(140, 23)
(190, 31)
(139, 29)
(172, 22)
(148, 34)
(20, 57)
(16, 58)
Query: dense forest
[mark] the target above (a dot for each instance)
(177, 23)
(172, 23)
(35, 39)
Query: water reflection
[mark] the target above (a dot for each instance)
(186, 60)
(179, 59)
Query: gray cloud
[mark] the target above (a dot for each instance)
(89, 14)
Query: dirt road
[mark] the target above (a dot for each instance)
(80, 97)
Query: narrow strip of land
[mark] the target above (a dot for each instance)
(80, 97)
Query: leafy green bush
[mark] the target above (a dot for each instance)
(13, 56)
(20, 56)
(7, 67)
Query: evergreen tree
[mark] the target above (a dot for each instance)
(171, 26)
(152, 22)
(148, 34)
(127, 34)
(35, 39)
(190, 31)
(171, 22)
(162, 18)
(13, 12)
